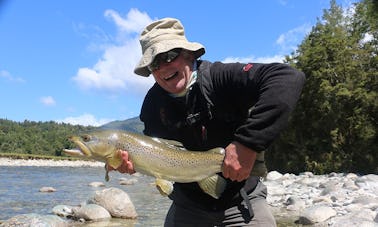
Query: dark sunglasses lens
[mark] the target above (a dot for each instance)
(172, 55)
(166, 57)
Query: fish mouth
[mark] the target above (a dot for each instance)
(81, 150)
(170, 77)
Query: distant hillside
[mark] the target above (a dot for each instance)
(49, 138)
(37, 138)
(132, 125)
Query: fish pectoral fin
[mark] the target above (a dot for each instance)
(214, 185)
(165, 187)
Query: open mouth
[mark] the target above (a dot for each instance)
(171, 77)
(80, 150)
(73, 152)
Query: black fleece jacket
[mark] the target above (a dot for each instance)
(249, 103)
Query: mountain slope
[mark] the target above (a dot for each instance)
(132, 125)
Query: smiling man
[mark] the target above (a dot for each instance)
(203, 105)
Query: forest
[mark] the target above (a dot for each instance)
(332, 129)
(38, 138)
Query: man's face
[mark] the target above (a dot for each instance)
(173, 76)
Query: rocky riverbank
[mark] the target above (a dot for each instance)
(336, 199)
(45, 162)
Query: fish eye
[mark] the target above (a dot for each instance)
(86, 138)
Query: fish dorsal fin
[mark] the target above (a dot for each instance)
(170, 143)
(214, 185)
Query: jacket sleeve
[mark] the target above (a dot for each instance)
(269, 91)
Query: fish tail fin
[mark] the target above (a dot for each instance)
(214, 185)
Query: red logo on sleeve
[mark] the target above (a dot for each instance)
(247, 67)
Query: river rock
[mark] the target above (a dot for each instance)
(316, 214)
(273, 175)
(47, 189)
(335, 199)
(369, 182)
(62, 210)
(294, 203)
(91, 212)
(128, 181)
(34, 220)
(116, 202)
(363, 217)
(96, 184)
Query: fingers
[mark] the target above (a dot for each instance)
(231, 165)
(126, 166)
(238, 162)
(234, 172)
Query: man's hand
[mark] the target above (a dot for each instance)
(127, 165)
(238, 162)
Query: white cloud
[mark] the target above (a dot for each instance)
(287, 42)
(276, 58)
(290, 40)
(48, 101)
(85, 120)
(6, 75)
(114, 72)
(135, 20)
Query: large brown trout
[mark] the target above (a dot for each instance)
(166, 160)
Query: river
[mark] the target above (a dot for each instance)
(19, 192)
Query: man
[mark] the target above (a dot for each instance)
(241, 107)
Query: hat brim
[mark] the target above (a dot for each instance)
(161, 47)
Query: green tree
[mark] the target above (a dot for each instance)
(47, 138)
(334, 127)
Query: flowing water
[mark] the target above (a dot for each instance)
(19, 192)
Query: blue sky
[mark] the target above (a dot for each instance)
(72, 60)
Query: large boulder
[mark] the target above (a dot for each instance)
(316, 214)
(91, 212)
(116, 201)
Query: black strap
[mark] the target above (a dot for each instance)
(244, 195)
(199, 116)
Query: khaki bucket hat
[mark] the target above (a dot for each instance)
(161, 36)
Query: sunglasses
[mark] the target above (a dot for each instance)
(165, 57)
